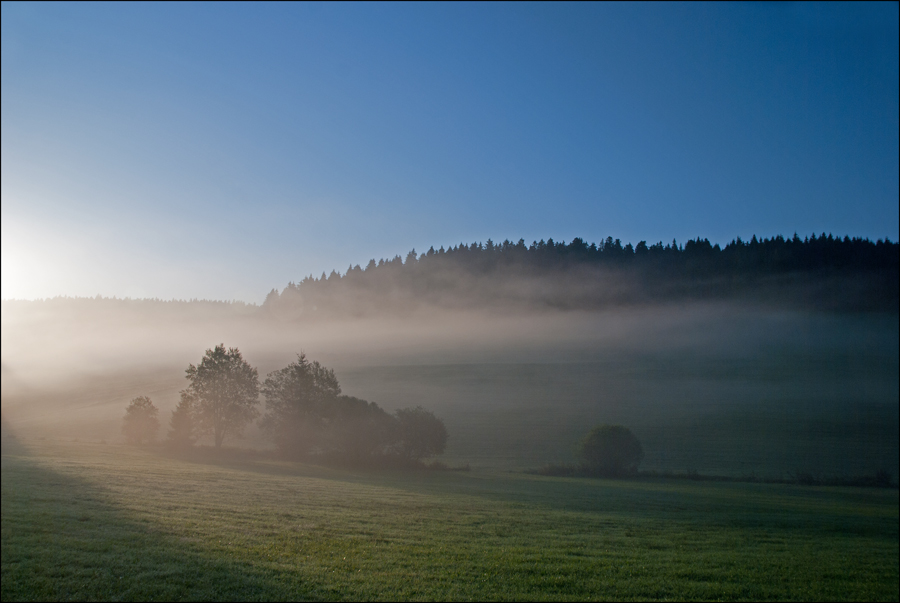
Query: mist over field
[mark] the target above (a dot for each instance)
(720, 387)
(528, 301)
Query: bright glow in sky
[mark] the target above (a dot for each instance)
(220, 150)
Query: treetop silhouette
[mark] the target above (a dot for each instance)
(819, 272)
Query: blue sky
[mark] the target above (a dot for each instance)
(220, 150)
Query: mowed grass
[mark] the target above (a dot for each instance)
(94, 522)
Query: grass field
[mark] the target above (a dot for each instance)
(735, 393)
(85, 521)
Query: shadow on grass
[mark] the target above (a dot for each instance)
(62, 541)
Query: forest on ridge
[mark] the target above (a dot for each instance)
(824, 273)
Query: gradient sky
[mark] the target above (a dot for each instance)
(220, 150)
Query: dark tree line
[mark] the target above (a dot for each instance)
(824, 272)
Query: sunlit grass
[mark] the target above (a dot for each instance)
(88, 521)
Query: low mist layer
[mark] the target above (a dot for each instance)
(768, 357)
(714, 387)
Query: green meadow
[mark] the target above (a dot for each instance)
(88, 521)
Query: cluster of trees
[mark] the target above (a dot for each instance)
(306, 414)
(582, 275)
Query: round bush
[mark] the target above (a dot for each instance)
(611, 451)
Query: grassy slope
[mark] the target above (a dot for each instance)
(90, 521)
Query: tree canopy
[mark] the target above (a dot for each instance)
(420, 433)
(140, 423)
(611, 451)
(223, 393)
(306, 415)
(299, 400)
(182, 424)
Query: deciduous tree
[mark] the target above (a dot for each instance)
(299, 398)
(182, 425)
(306, 414)
(224, 392)
(140, 423)
(420, 434)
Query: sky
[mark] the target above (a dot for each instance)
(219, 150)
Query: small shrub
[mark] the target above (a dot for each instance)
(420, 433)
(611, 451)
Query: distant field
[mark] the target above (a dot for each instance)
(768, 415)
(101, 522)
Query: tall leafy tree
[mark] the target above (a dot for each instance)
(183, 431)
(299, 404)
(140, 423)
(224, 391)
